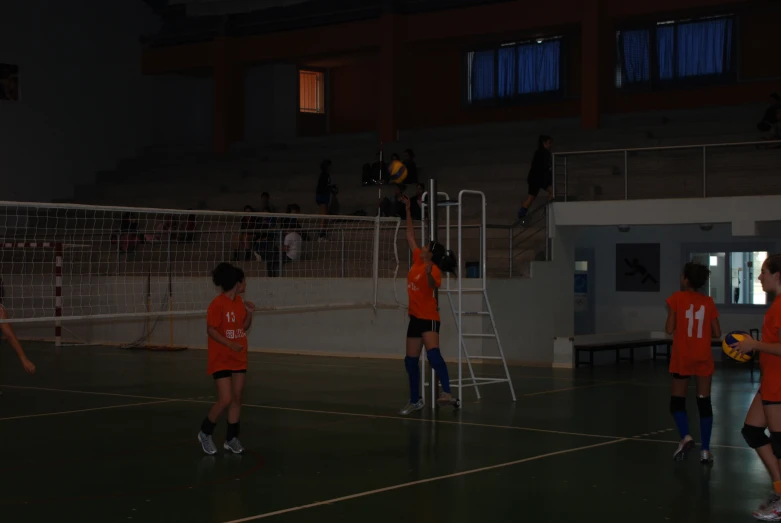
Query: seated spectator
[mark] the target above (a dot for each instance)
(375, 173)
(395, 207)
(412, 167)
(290, 250)
(129, 237)
(187, 226)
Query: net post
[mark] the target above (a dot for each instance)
(433, 198)
(58, 252)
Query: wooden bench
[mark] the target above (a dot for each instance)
(618, 346)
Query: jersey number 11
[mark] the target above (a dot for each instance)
(699, 316)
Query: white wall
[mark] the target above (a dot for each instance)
(645, 311)
(520, 307)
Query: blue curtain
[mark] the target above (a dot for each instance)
(636, 55)
(703, 47)
(507, 74)
(665, 51)
(481, 71)
(538, 67)
(694, 48)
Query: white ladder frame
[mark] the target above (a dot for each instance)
(458, 314)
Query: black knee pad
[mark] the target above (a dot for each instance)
(775, 441)
(755, 436)
(704, 407)
(677, 404)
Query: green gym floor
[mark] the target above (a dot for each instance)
(105, 435)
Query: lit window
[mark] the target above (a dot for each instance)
(311, 92)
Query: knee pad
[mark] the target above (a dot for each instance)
(755, 436)
(411, 364)
(704, 407)
(435, 357)
(677, 404)
(775, 441)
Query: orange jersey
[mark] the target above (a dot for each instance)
(770, 386)
(422, 303)
(227, 316)
(694, 313)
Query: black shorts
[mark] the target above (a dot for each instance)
(767, 402)
(539, 182)
(677, 376)
(227, 373)
(418, 326)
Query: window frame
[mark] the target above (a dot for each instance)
(324, 74)
(517, 99)
(728, 248)
(655, 83)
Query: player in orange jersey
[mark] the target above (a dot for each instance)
(693, 320)
(227, 321)
(424, 276)
(765, 409)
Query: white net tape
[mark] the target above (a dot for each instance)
(109, 262)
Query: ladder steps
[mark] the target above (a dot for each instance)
(463, 291)
(464, 335)
(474, 313)
(485, 357)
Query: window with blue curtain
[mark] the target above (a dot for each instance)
(634, 56)
(672, 51)
(514, 70)
(538, 67)
(481, 75)
(703, 48)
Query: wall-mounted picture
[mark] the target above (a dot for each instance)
(9, 82)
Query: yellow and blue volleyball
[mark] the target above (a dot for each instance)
(398, 171)
(732, 338)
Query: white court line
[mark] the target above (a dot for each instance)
(85, 410)
(329, 412)
(23, 387)
(591, 386)
(423, 481)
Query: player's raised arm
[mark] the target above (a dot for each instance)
(413, 245)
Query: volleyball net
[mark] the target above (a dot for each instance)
(66, 262)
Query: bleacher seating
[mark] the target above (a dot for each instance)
(492, 158)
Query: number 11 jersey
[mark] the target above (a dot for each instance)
(694, 313)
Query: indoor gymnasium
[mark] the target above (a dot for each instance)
(426, 260)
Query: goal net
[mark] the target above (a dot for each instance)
(70, 262)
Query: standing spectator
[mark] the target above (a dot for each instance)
(325, 188)
(540, 173)
(412, 168)
(265, 205)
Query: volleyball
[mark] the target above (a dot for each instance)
(732, 338)
(398, 171)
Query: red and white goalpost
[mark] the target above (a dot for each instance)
(58, 250)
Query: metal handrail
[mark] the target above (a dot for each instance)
(626, 151)
(664, 147)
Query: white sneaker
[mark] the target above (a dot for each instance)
(771, 512)
(684, 447)
(207, 443)
(234, 446)
(412, 407)
(706, 456)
